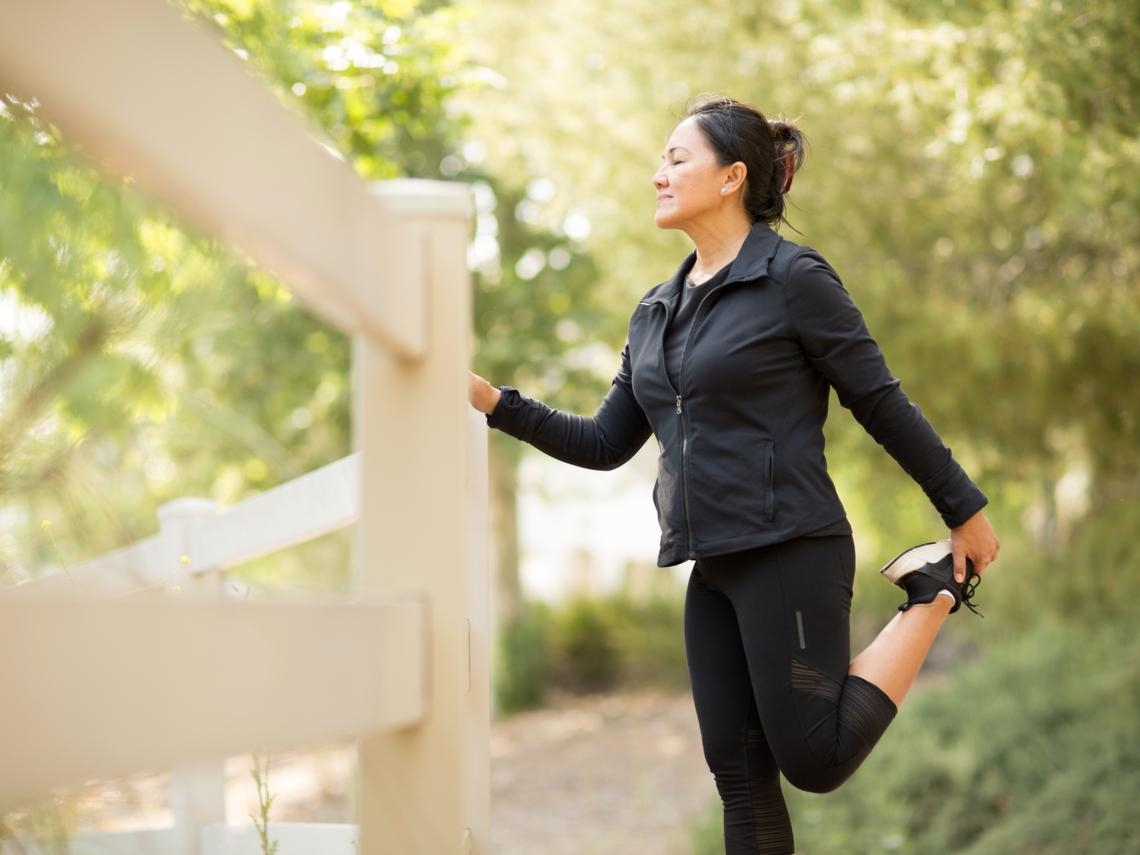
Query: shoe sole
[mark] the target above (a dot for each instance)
(909, 560)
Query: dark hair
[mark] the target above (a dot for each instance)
(772, 151)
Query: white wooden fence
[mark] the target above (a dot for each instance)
(98, 685)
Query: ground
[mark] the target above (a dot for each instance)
(599, 776)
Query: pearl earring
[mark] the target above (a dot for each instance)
(723, 190)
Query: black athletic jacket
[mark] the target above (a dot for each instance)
(741, 438)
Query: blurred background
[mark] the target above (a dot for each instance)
(974, 176)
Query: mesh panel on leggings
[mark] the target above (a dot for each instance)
(864, 713)
(810, 681)
(770, 822)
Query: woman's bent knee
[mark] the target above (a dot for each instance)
(816, 777)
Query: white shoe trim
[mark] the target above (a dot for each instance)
(912, 559)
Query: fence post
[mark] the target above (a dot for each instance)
(197, 792)
(425, 790)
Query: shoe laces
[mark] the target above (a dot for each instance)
(967, 593)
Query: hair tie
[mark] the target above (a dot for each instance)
(789, 172)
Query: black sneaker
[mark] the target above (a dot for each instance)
(922, 571)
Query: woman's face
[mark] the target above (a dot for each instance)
(689, 180)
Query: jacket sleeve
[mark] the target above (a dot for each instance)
(836, 340)
(605, 440)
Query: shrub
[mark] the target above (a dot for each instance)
(650, 638)
(586, 656)
(522, 664)
(590, 644)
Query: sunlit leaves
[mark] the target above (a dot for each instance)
(139, 362)
(973, 173)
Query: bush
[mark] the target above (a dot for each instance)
(590, 644)
(650, 637)
(586, 655)
(523, 661)
(1096, 575)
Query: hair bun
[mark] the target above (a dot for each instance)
(790, 149)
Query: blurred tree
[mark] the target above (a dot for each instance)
(532, 277)
(206, 405)
(539, 316)
(126, 380)
(973, 176)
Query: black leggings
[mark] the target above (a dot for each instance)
(768, 645)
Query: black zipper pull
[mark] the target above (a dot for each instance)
(678, 405)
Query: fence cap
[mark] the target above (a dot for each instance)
(418, 196)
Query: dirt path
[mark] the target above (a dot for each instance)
(606, 775)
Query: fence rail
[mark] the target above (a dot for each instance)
(209, 539)
(111, 688)
(192, 125)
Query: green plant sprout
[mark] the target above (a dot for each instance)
(264, 803)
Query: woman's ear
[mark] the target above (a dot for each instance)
(737, 173)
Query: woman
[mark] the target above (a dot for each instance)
(729, 365)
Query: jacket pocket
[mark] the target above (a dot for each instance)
(733, 487)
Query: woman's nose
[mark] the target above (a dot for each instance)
(659, 179)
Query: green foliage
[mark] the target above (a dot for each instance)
(44, 828)
(146, 390)
(586, 653)
(1033, 748)
(590, 644)
(124, 380)
(260, 775)
(373, 76)
(521, 667)
(975, 178)
(542, 322)
(649, 635)
(973, 175)
(1095, 577)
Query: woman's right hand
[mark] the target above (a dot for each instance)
(974, 539)
(482, 395)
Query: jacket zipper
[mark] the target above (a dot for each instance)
(684, 422)
(679, 405)
(680, 408)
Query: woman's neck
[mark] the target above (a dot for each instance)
(716, 245)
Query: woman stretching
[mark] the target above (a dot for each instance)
(729, 364)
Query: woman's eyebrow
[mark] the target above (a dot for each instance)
(673, 149)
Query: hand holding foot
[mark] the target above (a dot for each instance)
(974, 540)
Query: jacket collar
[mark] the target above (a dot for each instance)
(758, 249)
(750, 263)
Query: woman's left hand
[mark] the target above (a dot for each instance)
(973, 539)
